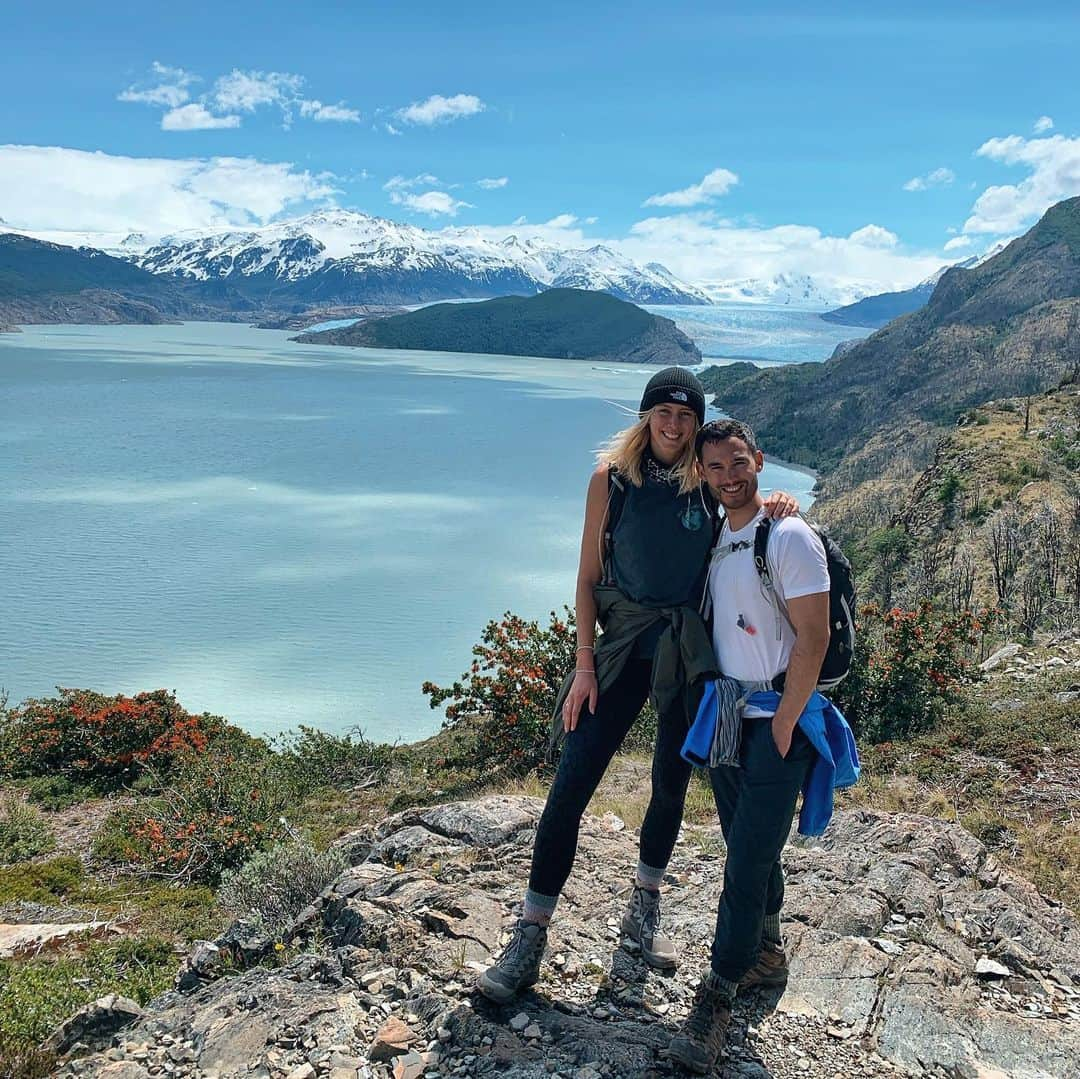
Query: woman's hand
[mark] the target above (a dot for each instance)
(780, 504)
(584, 689)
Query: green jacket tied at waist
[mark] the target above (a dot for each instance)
(683, 661)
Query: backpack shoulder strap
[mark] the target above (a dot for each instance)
(616, 499)
(761, 547)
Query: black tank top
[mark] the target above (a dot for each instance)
(661, 541)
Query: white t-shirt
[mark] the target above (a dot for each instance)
(752, 638)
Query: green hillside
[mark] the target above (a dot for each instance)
(559, 323)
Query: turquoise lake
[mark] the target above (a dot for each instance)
(286, 533)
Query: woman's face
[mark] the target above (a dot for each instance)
(671, 427)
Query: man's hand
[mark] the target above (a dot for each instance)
(782, 731)
(780, 505)
(584, 688)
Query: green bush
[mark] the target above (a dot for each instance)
(908, 664)
(213, 812)
(24, 832)
(57, 792)
(276, 884)
(38, 994)
(504, 702)
(41, 882)
(314, 760)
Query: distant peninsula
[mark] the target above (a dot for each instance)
(561, 323)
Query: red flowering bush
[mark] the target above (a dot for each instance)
(98, 740)
(505, 699)
(907, 666)
(214, 811)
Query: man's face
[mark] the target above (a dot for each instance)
(731, 471)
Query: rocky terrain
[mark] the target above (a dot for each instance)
(912, 953)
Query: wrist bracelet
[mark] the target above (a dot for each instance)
(584, 670)
(584, 648)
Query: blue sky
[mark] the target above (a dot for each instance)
(861, 141)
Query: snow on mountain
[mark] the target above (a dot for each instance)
(789, 290)
(333, 253)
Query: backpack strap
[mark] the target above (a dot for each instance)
(761, 564)
(616, 499)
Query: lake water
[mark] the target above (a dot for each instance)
(284, 533)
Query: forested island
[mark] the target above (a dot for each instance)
(562, 323)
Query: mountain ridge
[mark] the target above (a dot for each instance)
(873, 414)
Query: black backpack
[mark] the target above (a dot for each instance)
(838, 656)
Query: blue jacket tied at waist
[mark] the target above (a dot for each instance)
(837, 763)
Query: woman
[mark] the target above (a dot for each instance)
(641, 577)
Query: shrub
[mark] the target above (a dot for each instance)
(314, 760)
(97, 740)
(37, 994)
(57, 792)
(41, 882)
(908, 664)
(24, 832)
(511, 686)
(276, 884)
(214, 812)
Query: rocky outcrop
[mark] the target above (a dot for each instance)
(911, 953)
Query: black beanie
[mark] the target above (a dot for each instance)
(678, 385)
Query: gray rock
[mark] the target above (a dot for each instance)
(1006, 652)
(94, 1024)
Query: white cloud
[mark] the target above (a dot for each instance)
(170, 87)
(402, 183)
(938, 178)
(958, 243)
(561, 221)
(438, 109)
(49, 188)
(874, 236)
(432, 203)
(321, 113)
(702, 247)
(195, 118)
(1053, 164)
(716, 183)
(391, 130)
(490, 184)
(245, 91)
(1042, 125)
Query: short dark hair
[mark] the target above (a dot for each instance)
(721, 430)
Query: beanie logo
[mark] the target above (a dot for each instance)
(679, 395)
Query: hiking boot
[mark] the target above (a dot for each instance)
(519, 965)
(769, 969)
(641, 923)
(699, 1043)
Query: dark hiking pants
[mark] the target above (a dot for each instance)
(756, 803)
(586, 753)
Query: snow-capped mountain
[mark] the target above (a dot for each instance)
(341, 256)
(787, 289)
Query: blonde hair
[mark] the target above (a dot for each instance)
(626, 448)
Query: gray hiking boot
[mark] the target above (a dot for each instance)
(700, 1040)
(641, 923)
(519, 965)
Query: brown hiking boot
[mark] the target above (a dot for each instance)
(769, 969)
(699, 1043)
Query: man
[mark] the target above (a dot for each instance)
(758, 637)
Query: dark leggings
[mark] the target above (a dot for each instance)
(587, 751)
